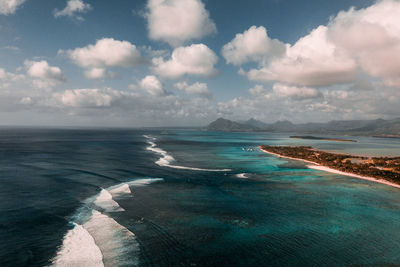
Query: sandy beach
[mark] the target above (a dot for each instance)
(319, 167)
(326, 169)
(280, 156)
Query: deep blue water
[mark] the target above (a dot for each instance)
(186, 198)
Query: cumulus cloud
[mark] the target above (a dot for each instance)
(107, 52)
(72, 9)
(177, 21)
(257, 90)
(42, 70)
(197, 88)
(196, 59)
(87, 98)
(100, 73)
(252, 45)
(295, 92)
(311, 61)
(9, 6)
(152, 85)
(8, 76)
(354, 42)
(372, 36)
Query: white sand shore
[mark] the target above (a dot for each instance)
(319, 167)
(280, 156)
(326, 169)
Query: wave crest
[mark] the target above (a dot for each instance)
(78, 249)
(98, 239)
(165, 160)
(105, 201)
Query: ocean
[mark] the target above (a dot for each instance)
(173, 197)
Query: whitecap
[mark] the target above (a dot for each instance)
(78, 249)
(120, 189)
(166, 159)
(242, 175)
(97, 239)
(118, 245)
(105, 201)
(145, 181)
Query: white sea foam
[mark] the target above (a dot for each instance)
(242, 175)
(98, 239)
(78, 249)
(167, 159)
(105, 201)
(118, 245)
(145, 181)
(120, 189)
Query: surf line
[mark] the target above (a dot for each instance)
(96, 239)
(166, 159)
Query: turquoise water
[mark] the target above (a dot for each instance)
(187, 198)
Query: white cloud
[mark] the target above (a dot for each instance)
(72, 8)
(152, 85)
(9, 6)
(364, 41)
(100, 73)
(372, 37)
(294, 92)
(107, 52)
(8, 76)
(95, 73)
(257, 90)
(87, 98)
(177, 21)
(26, 100)
(196, 59)
(312, 61)
(197, 88)
(252, 45)
(42, 70)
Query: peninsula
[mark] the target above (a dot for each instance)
(385, 170)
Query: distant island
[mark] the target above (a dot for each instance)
(385, 170)
(309, 137)
(377, 128)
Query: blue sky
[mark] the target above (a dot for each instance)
(187, 62)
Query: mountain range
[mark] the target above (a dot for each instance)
(378, 127)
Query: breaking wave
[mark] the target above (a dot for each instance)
(79, 249)
(96, 239)
(165, 160)
(105, 201)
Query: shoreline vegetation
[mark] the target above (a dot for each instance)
(309, 137)
(383, 170)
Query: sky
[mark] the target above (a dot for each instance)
(187, 62)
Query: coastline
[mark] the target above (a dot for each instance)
(286, 157)
(317, 166)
